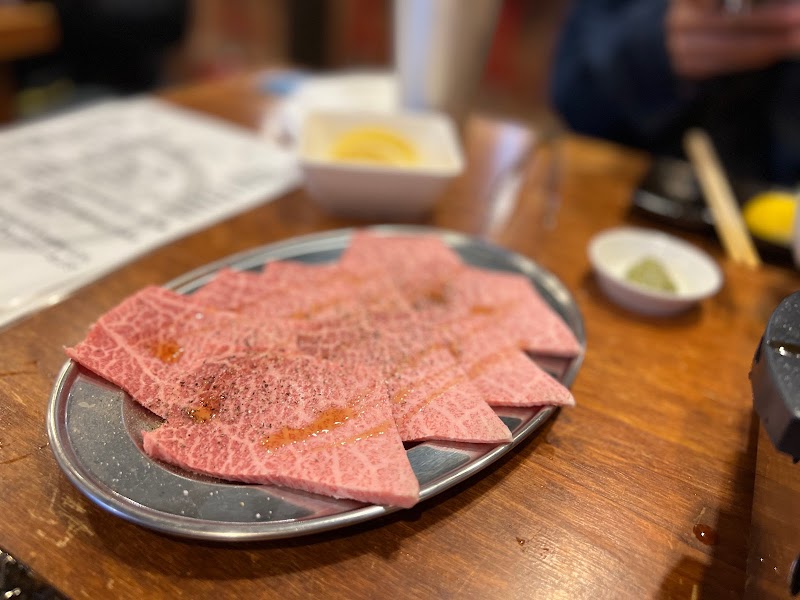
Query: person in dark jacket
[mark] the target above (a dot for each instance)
(108, 48)
(119, 43)
(640, 72)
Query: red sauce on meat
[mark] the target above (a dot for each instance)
(327, 420)
(479, 309)
(168, 351)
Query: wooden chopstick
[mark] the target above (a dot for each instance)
(728, 220)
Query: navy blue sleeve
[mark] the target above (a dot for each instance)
(612, 77)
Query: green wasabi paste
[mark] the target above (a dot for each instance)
(650, 273)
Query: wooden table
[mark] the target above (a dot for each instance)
(26, 30)
(602, 503)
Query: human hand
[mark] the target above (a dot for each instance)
(704, 41)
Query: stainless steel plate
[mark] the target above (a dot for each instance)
(95, 428)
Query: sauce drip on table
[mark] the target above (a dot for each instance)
(705, 534)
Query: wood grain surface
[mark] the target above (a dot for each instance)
(602, 503)
(774, 539)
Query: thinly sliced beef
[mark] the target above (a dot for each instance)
(431, 395)
(501, 371)
(290, 420)
(442, 289)
(506, 376)
(148, 340)
(301, 291)
(231, 290)
(334, 291)
(282, 289)
(293, 273)
(507, 304)
(511, 378)
(309, 376)
(418, 265)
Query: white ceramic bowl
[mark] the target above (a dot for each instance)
(613, 252)
(378, 191)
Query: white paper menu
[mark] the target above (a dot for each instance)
(84, 192)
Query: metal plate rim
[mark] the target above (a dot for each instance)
(190, 527)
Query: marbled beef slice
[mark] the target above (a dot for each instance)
(418, 265)
(431, 396)
(152, 337)
(508, 304)
(502, 372)
(289, 420)
(299, 291)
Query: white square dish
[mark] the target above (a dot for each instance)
(374, 190)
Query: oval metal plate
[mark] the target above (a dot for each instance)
(95, 428)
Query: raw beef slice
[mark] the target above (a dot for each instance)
(430, 394)
(231, 290)
(508, 304)
(295, 290)
(505, 375)
(290, 420)
(152, 337)
(418, 265)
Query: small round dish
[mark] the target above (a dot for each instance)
(613, 252)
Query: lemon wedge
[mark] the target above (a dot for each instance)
(770, 216)
(375, 146)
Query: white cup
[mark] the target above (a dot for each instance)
(440, 51)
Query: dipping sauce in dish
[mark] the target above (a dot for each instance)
(651, 273)
(620, 254)
(378, 166)
(374, 145)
